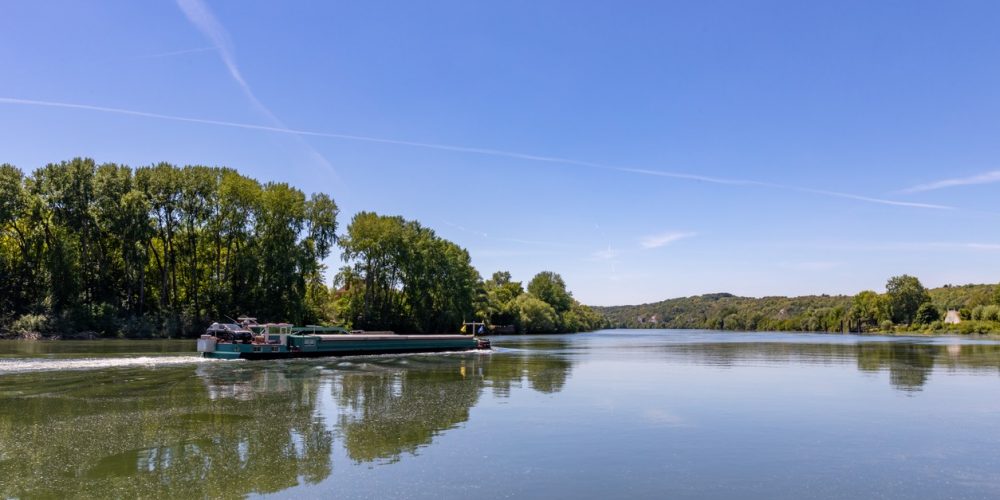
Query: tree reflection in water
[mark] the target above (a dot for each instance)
(909, 363)
(395, 406)
(230, 429)
(227, 430)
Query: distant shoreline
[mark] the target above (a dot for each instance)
(92, 336)
(906, 307)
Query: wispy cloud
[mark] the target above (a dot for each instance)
(663, 239)
(609, 254)
(202, 18)
(984, 178)
(279, 128)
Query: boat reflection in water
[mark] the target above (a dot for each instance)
(228, 429)
(633, 400)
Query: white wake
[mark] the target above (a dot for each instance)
(37, 364)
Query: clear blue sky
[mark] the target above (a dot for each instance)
(643, 150)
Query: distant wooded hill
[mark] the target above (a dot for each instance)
(833, 313)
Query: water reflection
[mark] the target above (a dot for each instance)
(146, 432)
(909, 364)
(398, 405)
(233, 429)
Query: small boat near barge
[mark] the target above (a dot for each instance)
(250, 340)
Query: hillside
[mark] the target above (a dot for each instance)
(724, 311)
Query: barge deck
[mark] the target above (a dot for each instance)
(281, 341)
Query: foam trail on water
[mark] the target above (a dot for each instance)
(35, 364)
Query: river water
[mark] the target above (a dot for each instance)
(609, 414)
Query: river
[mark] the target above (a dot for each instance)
(609, 414)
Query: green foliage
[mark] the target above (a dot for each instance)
(986, 313)
(868, 308)
(401, 276)
(581, 318)
(725, 311)
(508, 308)
(905, 295)
(500, 308)
(158, 250)
(31, 323)
(535, 315)
(974, 326)
(551, 288)
(162, 250)
(866, 312)
(927, 314)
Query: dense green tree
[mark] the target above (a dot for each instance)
(868, 309)
(926, 314)
(580, 318)
(501, 291)
(158, 250)
(551, 288)
(162, 250)
(905, 295)
(401, 276)
(535, 315)
(10, 193)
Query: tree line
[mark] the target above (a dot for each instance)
(905, 305)
(156, 250)
(163, 250)
(400, 275)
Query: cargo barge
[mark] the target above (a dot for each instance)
(249, 340)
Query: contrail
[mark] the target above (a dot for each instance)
(984, 178)
(746, 182)
(202, 18)
(866, 198)
(473, 150)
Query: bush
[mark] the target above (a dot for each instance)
(936, 326)
(102, 318)
(136, 326)
(32, 323)
(973, 326)
(990, 313)
(927, 313)
(885, 326)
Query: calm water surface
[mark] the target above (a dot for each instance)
(611, 414)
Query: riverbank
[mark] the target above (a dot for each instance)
(905, 306)
(51, 336)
